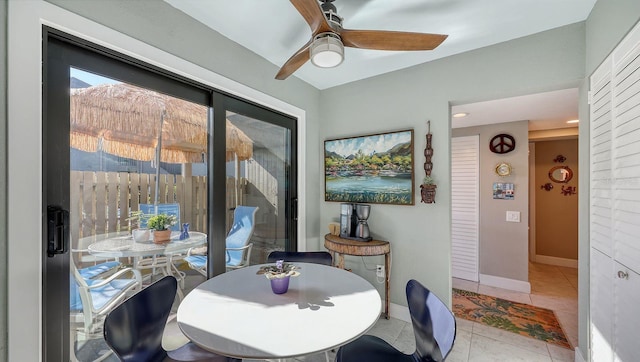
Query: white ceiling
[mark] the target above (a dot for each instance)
(548, 110)
(274, 30)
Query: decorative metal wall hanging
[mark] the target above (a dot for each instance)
(559, 159)
(568, 190)
(428, 187)
(502, 143)
(547, 187)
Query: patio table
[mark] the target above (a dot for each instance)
(123, 246)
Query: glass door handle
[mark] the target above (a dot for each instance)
(294, 209)
(57, 230)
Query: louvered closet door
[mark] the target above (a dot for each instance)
(625, 156)
(615, 204)
(602, 306)
(601, 264)
(464, 206)
(601, 270)
(600, 159)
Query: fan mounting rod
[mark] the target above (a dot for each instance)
(331, 13)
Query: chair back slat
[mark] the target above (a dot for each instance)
(316, 257)
(134, 329)
(434, 325)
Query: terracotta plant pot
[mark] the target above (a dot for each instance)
(161, 236)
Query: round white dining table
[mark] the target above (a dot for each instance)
(236, 314)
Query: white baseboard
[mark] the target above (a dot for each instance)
(552, 260)
(398, 312)
(579, 357)
(505, 283)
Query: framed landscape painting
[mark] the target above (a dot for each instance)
(375, 169)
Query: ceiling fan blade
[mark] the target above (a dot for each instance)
(390, 40)
(295, 62)
(312, 13)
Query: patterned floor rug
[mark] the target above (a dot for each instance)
(523, 319)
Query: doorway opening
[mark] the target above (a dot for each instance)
(510, 261)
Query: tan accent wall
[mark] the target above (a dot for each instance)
(556, 214)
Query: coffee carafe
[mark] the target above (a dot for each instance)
(353, 221)
(362, 213)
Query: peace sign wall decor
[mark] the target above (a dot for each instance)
(502, 143)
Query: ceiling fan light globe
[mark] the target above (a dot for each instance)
(327, 52)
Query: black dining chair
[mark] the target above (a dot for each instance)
(316, 257)
(134, 329)
(434, 327)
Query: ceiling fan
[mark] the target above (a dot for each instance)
(326, 47)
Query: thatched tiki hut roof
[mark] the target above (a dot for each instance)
(125, 120)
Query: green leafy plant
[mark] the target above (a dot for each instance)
(161, 222)
(428, 180)
(279, 270)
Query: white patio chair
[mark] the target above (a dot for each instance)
(92, 297)
(91, 266)
(238, 250)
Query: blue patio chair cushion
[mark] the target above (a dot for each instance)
(93, 271)
(196, 261)
(243, 224)
(99, 296)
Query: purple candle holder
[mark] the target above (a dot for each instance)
(280, 285)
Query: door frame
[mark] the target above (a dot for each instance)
(25, 75)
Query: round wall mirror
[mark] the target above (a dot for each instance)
(560, 174)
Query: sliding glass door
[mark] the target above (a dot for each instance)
(124, 141)
(265, 178)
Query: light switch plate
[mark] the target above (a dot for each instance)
(513, 216)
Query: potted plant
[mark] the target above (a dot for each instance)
(160, 225)
(428, 190)
(279, 275)
(137, 218)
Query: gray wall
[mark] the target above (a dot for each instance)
(3, 181)
(504, 246)
(607, 24)
(420, 235)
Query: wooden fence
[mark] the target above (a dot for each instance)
(103, 200)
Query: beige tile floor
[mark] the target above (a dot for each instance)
(552, 287)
